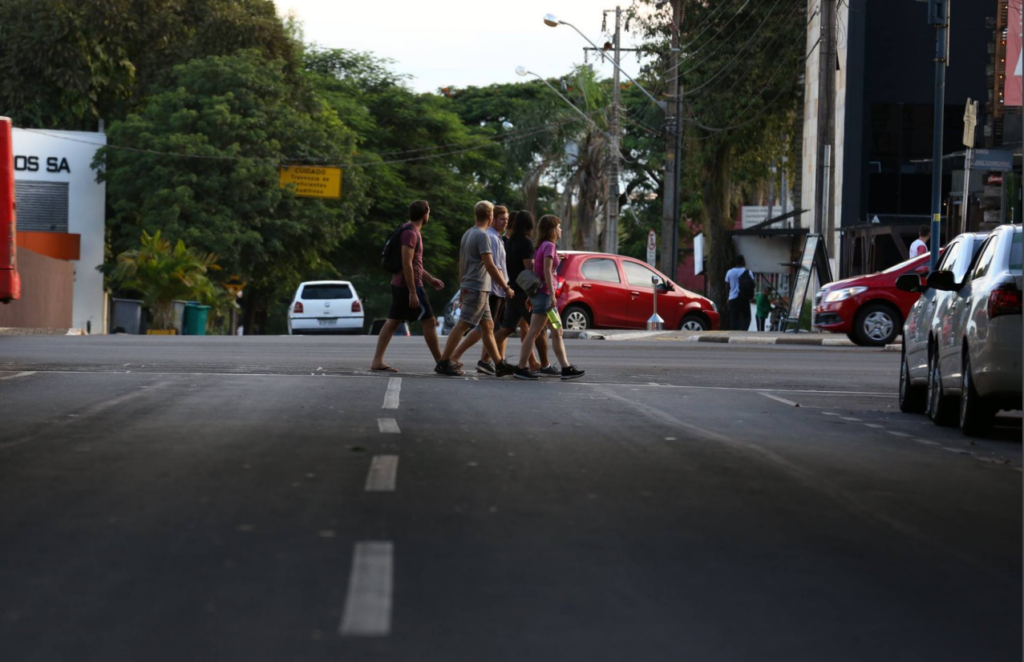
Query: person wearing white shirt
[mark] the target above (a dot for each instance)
(920, 245)
(739, 309)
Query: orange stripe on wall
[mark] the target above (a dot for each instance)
(60, 245)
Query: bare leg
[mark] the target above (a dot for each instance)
(537, 323)
(487, 327)
(430, 335)
(386, 333)
(472, 338)
(559, 347)
(542, 349)
(453, 339)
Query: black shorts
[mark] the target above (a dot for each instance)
(515, 310)
(400, 309)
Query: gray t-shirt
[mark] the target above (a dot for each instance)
(474, 244)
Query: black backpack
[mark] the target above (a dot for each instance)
(747, 286)
(391, 256)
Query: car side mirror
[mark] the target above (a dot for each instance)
(910, 283)
(943, 280)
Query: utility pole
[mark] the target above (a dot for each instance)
(938, 18)
(670, 200)
(824, 219)
(611, 231)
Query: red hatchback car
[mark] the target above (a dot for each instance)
(614, 291)
(868, 309)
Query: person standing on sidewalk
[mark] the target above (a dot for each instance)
(764, 306)
(476, 270)
(545, 265)
(741, 291)
(409, 302)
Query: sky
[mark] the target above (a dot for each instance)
(461, 42)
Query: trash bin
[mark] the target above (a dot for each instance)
(195, 320)
(178, 316)
(127, 316)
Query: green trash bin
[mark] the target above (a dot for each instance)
(195, 320)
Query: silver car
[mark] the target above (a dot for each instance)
(965, 341)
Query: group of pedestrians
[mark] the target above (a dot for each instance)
(490, 265)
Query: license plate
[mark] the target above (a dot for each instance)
(328, 322)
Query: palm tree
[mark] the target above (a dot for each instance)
(164, 273)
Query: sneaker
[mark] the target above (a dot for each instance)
(447, 369)
(485, 367)
(503, 369)
(572, 372)
(524, 373)
(550, 371)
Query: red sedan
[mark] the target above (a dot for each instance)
(614, 291)
(868, 309)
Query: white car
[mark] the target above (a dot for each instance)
(973, 343)
(325, 306)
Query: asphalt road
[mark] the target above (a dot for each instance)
(269, 499)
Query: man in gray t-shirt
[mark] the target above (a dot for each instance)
(475, 243)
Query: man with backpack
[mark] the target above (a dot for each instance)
(403, 256)
(741, 291)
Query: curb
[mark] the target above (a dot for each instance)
(31, 331)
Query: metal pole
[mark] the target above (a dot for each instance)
(771, 190)
(655, 323)
(826, 112)
(967, 189)
(938, 16)
(612, 227)
(669, 206)
(825, 200)
(677, 207)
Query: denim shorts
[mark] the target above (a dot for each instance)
(539, 301)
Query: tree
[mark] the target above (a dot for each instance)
(163, 273)
(200, 163)
(740, 70)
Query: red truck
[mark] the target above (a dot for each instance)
(10, 286)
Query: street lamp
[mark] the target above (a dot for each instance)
(553, 21)
(523, 71)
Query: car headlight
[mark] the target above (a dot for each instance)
(843, 294)
(713, 306)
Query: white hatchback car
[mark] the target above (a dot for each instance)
(325, 306)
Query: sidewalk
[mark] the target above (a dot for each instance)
(17, 331)
(727, 337)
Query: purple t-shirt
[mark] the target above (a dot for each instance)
(545, 250)
(412, 238)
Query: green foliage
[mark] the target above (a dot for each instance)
(163, 272)
(232, 119)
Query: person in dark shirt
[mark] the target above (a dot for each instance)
(519, 252)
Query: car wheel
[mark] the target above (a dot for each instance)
(694, 322)
(876, 324)
(939, 409)
(576, 318)
(976, 415)
(912, 398)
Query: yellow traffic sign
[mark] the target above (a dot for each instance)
(234, 285)
(312, 181)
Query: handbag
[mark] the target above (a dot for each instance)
(528, 282)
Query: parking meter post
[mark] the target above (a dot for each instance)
(655, 323)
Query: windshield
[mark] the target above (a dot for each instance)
(914, 261)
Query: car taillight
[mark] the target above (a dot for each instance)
(1004, 300)
(298, 307)
(357, 307)
(560, 288)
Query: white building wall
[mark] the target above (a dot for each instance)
(86, 207)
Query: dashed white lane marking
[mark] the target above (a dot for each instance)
(383, 473)
(388, 426)
(957, 450)
(778, 399)
(829, 413)
(20, 374)
(368, 602)
(927, 443)
(873, 425)
(850, 418)
(391, 397)
(897, 434)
